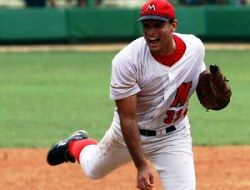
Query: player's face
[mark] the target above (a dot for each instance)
(158, 35)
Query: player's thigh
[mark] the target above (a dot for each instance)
(175, 166)
(109, 154)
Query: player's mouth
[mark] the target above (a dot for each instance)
(152, 41)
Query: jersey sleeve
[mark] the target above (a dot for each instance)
(201, 49)
(123, 79)
(203, 65)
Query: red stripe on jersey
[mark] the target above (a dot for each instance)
(171, 59)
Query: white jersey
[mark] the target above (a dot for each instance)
(162, 92)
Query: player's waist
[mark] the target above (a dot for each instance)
(146, 132)
(163, 130)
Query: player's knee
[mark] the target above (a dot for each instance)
(93, 174)
(94, 171)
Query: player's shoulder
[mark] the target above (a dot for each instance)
(193, 44)
(131, 51)
(191, 40)
(133, 47)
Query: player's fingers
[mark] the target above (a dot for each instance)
(145, 188)
(151, 179)
(140, 185)
(148, 182)
(144, 184)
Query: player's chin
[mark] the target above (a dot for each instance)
(154, 46)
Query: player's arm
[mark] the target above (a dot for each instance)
(129, 126)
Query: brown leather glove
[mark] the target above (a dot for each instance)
(213, 90)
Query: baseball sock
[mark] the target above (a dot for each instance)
(75, 147)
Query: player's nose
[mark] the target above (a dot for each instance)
(150, 32)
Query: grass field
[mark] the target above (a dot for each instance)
(47, 95)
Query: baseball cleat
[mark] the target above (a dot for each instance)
(58, 152)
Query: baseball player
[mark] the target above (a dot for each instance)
(152, 80)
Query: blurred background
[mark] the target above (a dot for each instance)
(77, 21)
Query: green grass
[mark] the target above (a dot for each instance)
(229, 126)
(47, 95)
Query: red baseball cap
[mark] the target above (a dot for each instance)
(157, 10)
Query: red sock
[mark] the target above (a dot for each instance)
(75, 147)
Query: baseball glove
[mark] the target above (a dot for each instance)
(213, 90)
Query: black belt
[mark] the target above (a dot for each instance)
(148, 133)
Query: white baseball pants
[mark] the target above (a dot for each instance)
(171, 155)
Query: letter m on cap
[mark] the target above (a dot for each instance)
(151, 7)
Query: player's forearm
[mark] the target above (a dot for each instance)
(129, 125)
(132, 139)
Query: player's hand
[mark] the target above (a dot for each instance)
(145, 178)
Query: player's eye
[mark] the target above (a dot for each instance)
(158, 25)
(145, 26)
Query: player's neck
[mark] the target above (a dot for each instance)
(168, 49)
(171, 47)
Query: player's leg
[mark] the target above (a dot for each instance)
(109, 154)
(175, 163)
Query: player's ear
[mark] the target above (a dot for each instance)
(174, 24)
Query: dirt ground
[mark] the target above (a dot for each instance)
(217, 168)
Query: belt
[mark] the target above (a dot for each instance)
(148, 133)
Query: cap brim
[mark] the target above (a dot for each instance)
(153, 17)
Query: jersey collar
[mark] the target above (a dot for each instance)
(174, 57)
